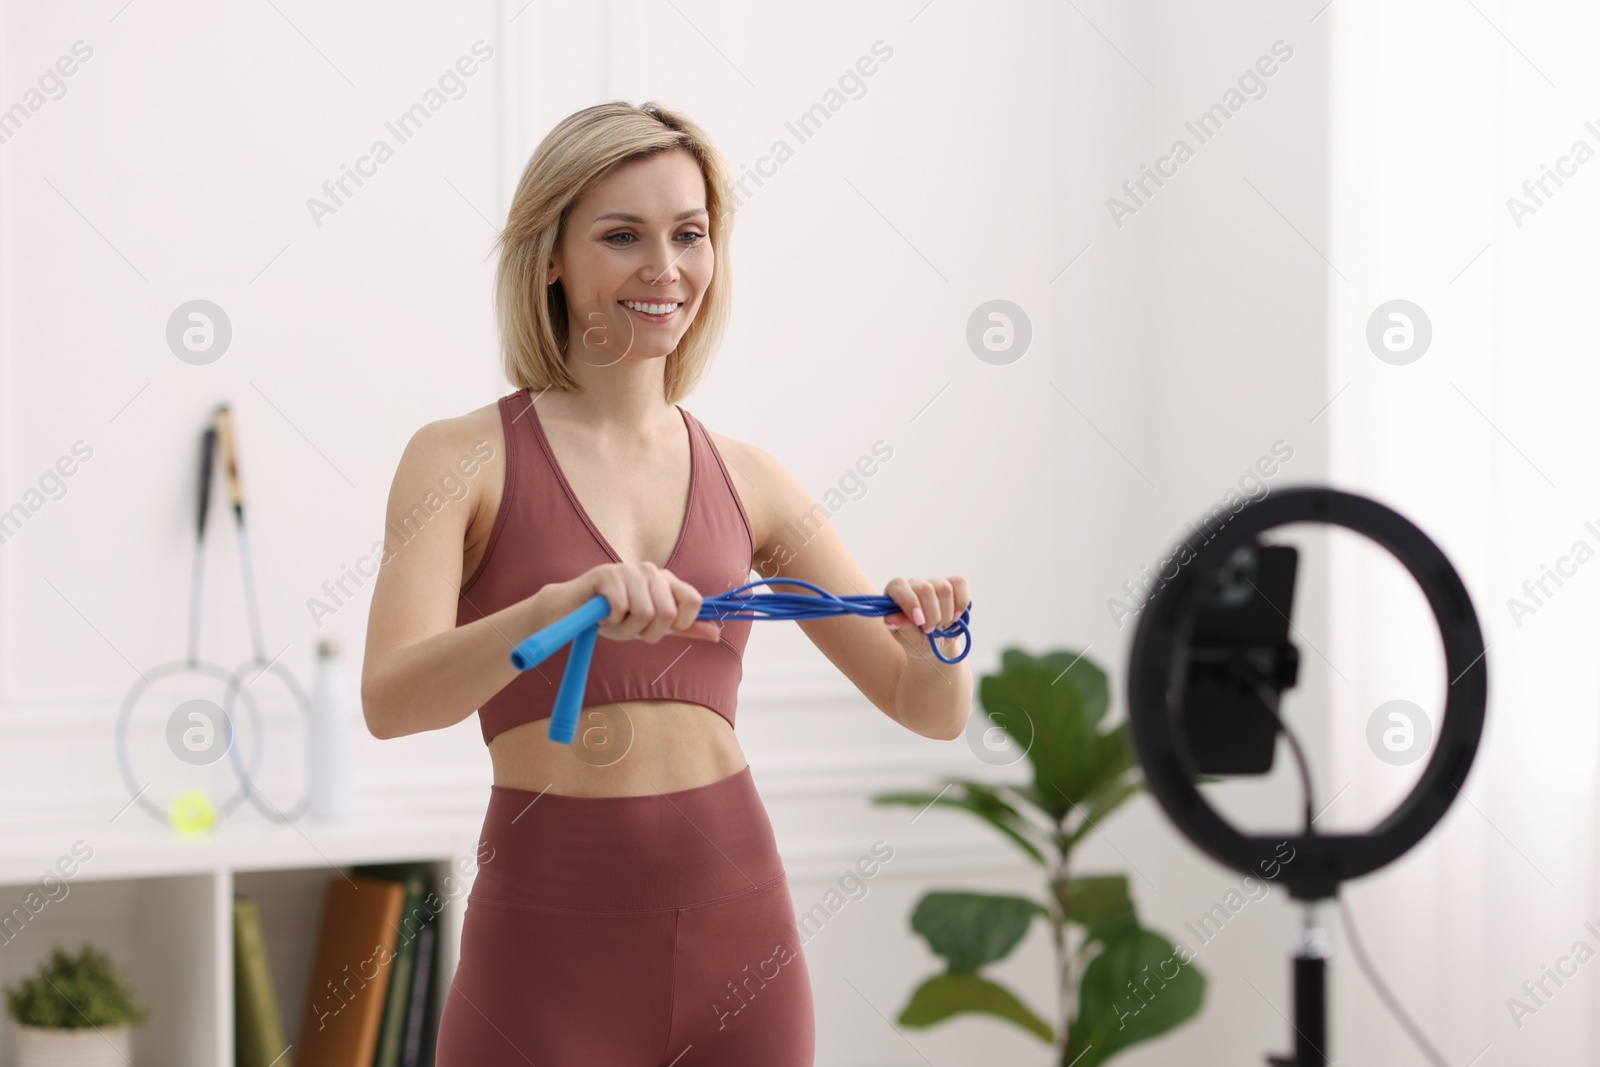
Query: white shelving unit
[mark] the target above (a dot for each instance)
(162, 906)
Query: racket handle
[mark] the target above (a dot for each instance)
(569, 698)
(541, 645)
(223, 419)
(208, 448)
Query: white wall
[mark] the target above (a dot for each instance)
(1442, 113)
(1171, 354)
(1205, 322)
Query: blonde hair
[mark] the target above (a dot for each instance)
(583, 148)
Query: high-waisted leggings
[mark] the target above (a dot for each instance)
(632, 931)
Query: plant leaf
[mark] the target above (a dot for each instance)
(1165, 993)
(993, 798)
(1106, 802)
(945, 995)
(1108, 758)
(1032, 796)
(1101, 905)
(992, 795)
(971, 929)
(74, 992)
(1053, 705)
(991, 810)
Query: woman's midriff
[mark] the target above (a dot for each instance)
(629, 748)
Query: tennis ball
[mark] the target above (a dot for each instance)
(191, 813)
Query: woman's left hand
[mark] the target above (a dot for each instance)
(927, 603)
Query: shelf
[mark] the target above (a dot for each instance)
(162, 906)
(134, 846)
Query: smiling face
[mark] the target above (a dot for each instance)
(634, 260)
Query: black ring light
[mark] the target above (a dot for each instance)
(1321, 861)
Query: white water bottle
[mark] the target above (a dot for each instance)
(329, 738)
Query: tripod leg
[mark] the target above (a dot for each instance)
(1310, 1000)
(1311, 1010)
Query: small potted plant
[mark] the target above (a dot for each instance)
(76, 1011)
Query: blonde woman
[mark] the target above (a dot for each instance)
(633, 909)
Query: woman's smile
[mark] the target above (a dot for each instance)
(653, 311)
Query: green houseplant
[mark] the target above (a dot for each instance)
(74, 1010)
(1120, 983)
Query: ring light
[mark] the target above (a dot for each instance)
(1161, 647)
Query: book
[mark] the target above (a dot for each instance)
(257, 1026)
(420, 1014)
(357, 945)
(417, 879)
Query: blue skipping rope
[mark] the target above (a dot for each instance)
(582, 627)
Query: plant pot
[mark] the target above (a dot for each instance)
(105, 1047)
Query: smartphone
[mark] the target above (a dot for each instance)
(1239, 660)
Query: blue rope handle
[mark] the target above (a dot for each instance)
(581, 628)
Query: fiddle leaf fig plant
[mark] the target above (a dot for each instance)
(1119, 982)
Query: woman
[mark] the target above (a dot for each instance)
(635, 910)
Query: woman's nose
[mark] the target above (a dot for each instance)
(662, 266)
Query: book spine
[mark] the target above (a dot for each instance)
(258, 1036)
(391, 1037)
(422, 984)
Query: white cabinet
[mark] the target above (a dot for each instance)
(162, 906)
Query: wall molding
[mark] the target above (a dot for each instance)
(807, 685)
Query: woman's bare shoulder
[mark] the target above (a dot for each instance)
(750, 466)
(765, 486)
(452, 430)
(457, 441)
(445, 458)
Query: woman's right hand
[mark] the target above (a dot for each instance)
(647, 602)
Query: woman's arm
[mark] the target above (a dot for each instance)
(894, 668)
(421, 671)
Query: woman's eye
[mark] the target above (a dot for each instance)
(696, 236)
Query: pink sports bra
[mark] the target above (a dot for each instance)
(541, 534)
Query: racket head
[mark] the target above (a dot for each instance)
(185, 729)
(277, 695)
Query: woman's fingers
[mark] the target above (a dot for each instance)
(919, 603)
(688, 622)
(927, 590)
(610, 584)
(900, 591)
(648, 603)
(927, 603)
(663, 601)
(638, 606)
(963, 595)
(944, 592)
